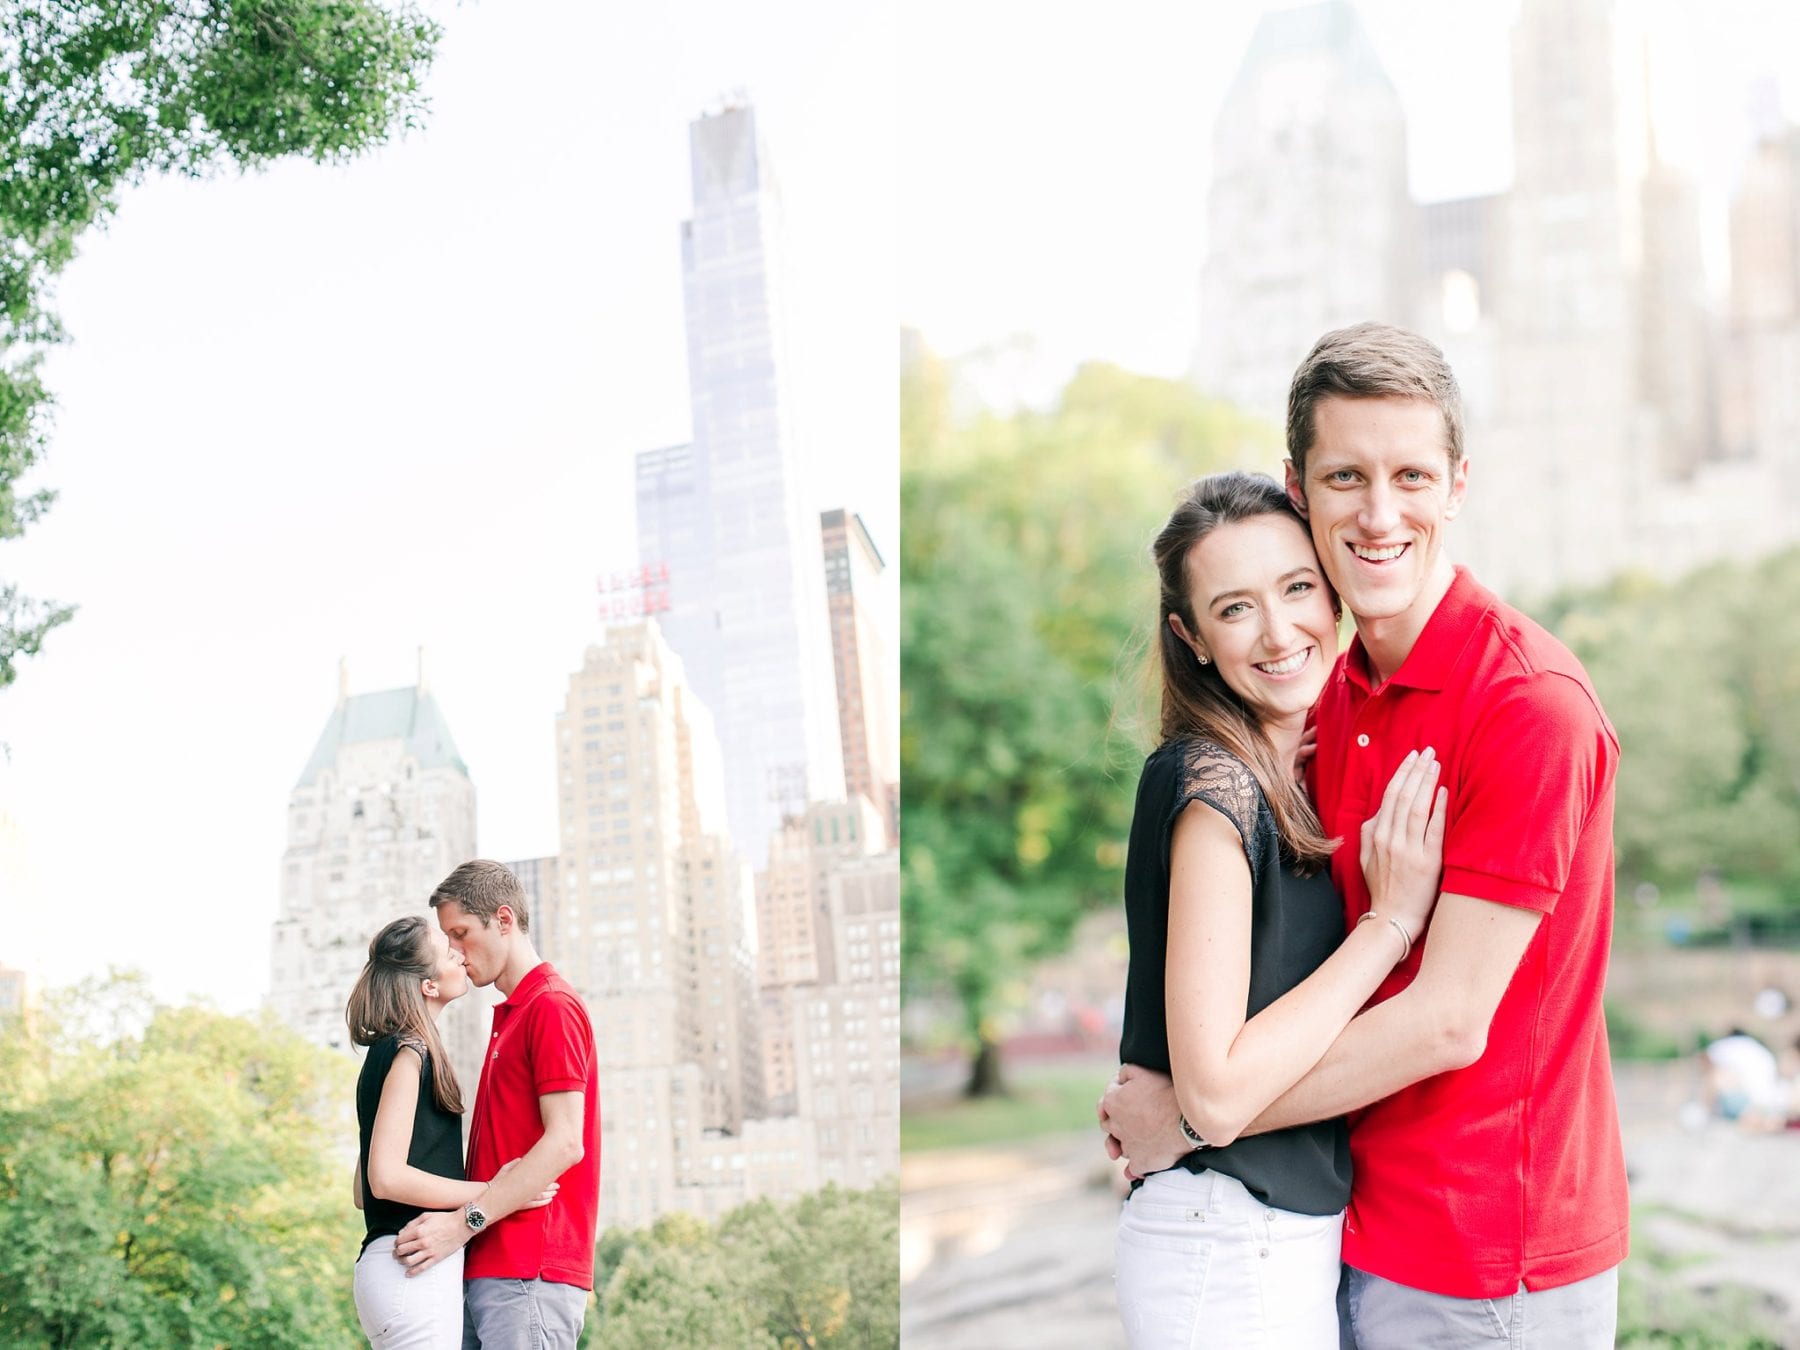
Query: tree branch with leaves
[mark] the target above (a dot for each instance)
(1027, 601)
(97, 96)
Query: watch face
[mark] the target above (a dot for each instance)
(1192, 1135)
(477, 1220)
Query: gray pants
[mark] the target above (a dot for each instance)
(522, 1315)
(1579, 1316)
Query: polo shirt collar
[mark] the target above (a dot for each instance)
(1434, 654)
(528, 988)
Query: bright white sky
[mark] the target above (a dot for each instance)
(1054, 173)
(321, 412)
(351, 411)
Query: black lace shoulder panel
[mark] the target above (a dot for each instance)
(1210, 773)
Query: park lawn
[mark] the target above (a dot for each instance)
(1768, 905)
(1660, 1311)
(1043, 1098)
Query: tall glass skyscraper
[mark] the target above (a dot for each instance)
(730, 515)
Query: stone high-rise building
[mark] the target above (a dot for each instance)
(1765, 233)
(846, 1031)
(729, 514)
(540, 879)
(1309, 224)
(1672, 339)
(828, 917)
(1762, 412)
(1615, 419)
(865, 660)
(1605, 406)
(651, 922)
(1460, 241)
(383, 810)
(1556, 485)
(793, 922)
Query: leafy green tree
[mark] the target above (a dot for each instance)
(1027, 600)
(1675, 769)
(819, 1273)
(675, 1287)
(170, 1181)
(1701, 678)
(95, 97)
(828, 1266)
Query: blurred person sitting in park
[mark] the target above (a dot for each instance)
(409, 1125)
(529, 1270)
(1743, 1082)
(1488, 1196)
(1241, 974)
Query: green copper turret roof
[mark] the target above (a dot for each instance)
(409, 715)
(1330, 26)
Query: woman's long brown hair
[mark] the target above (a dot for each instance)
(1196, 701)
(388, 1001)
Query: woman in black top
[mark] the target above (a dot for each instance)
(409, 1117)
(1241, 974)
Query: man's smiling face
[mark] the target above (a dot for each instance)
(1378, 491)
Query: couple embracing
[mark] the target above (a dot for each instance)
(526, 1205)
(1367, 1094)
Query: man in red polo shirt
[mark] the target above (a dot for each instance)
(1488, 1198)
(528, 1271)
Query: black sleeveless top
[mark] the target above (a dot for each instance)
(436, 1136)
(1296, 922)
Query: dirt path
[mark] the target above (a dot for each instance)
(1005, 1248)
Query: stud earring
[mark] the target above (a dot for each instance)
(1205, 660)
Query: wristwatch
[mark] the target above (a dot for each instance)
(1192, 1135)
(473, 1216)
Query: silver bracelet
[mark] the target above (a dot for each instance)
(1405, 941)
(1192, 1135)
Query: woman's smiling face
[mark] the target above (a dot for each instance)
(1264, 614)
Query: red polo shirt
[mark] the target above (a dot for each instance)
(542, 1042)
(1511, 1169)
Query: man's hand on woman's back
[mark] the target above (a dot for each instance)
(1142, 1121)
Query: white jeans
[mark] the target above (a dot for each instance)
(397, 1313)
(1201, 1262)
